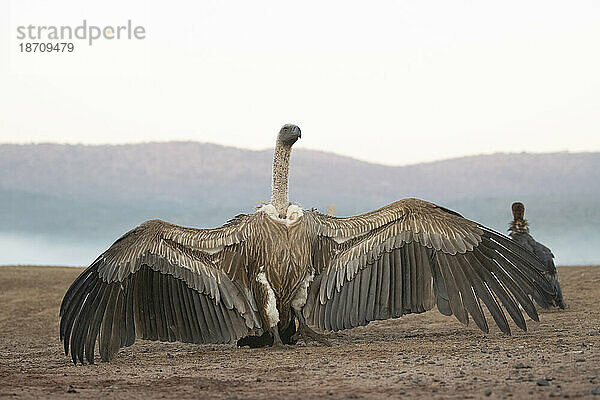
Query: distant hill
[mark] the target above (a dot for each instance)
(99, 192)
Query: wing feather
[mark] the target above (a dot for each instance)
(365, 283)
(384, 297)
(372, 292)
(397, 267)
(356, 296)
(456, 304)
(482, 291)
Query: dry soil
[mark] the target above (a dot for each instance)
(416, 356)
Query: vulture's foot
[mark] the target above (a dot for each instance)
(305, 333)
(281, 346)
(277, 343)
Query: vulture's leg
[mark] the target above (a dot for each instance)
(287, 334)
(306, 333)
(276, 338)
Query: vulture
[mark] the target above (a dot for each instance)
(519, 232)
(257, 275)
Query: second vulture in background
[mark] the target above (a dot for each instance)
(519, 232)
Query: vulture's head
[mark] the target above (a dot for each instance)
(288, 134)
(518, 210)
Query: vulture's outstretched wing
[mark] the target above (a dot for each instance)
(411, 255)
(162, 282)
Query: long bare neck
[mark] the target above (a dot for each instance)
(281, 167)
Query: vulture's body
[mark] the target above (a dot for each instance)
(519, 232)
(254, 277)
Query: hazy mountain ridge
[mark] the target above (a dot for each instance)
(102, 191)
(158, 168)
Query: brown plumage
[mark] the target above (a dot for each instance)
(260, 272)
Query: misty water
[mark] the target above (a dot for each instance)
(24, 249)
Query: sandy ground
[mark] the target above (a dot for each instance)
(417, 356)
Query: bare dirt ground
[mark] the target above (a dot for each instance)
(417, 356)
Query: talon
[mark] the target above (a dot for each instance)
(307, 334)
(280, 346)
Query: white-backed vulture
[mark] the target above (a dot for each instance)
(263, 270)
(519, 232)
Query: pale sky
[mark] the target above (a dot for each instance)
(394, 82)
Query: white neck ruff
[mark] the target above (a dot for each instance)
(293, 214)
